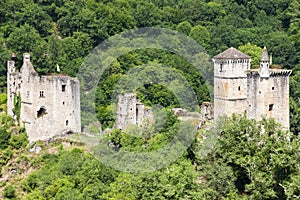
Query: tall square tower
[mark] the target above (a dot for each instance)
(230, 82)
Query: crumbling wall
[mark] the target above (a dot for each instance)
(131, 111)
(50, 105)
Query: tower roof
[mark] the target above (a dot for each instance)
(232, 53)
(264, 55)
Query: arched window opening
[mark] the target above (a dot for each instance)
(41, 112)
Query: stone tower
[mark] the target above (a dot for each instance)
(268, 92)
(48, 105)
(230, 82)
(126, 110)
(259, 92)
(131, 111)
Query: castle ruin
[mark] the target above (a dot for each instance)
(46, 105)
(130, 111)
(258, 92)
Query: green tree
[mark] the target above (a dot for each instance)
(36, 17)
(253, 51)
(24, 39)
(147, 14)
(261, 156)
(177, 181)
(184, 27)
(200, 34)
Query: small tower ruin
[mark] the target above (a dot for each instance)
(130, 111)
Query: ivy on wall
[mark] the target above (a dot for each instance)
(17, 106)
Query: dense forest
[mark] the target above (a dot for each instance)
(250, 160)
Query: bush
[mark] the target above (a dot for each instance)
(18, 140)
(3, 98)
(4, 137)
(9, 192)
(5, 156)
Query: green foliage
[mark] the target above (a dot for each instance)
(69, 175)
(184, 27)
(253, 51)
(4, 138)
(175, 182)
(3, 98)
(9, 192)
(295, 102)
(63, 33)
(147, 138)
(6, 155)
(17, 106)
(256, 158)
(292, 187)
(19, 140)
(201, 35)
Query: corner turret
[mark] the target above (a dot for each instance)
(264, 70)
(27, 67)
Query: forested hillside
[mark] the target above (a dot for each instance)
(251, 160)
(63, 32)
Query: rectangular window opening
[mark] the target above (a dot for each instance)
(63, 88)
(271, 107)
(239, 88)
(42, 94)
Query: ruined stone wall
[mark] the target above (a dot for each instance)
(132, 111)
(13, 86)
(126, 110)
(50, 104)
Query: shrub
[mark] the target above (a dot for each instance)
(9, 192)
(4, 137)
(3, 98)
(18, 140)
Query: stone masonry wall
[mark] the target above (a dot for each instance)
(50, 105)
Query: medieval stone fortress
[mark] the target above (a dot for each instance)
(47, 105)
(258, 92)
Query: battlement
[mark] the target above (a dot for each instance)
(273, 72)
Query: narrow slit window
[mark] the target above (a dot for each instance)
(239, 88)
(63, 88)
